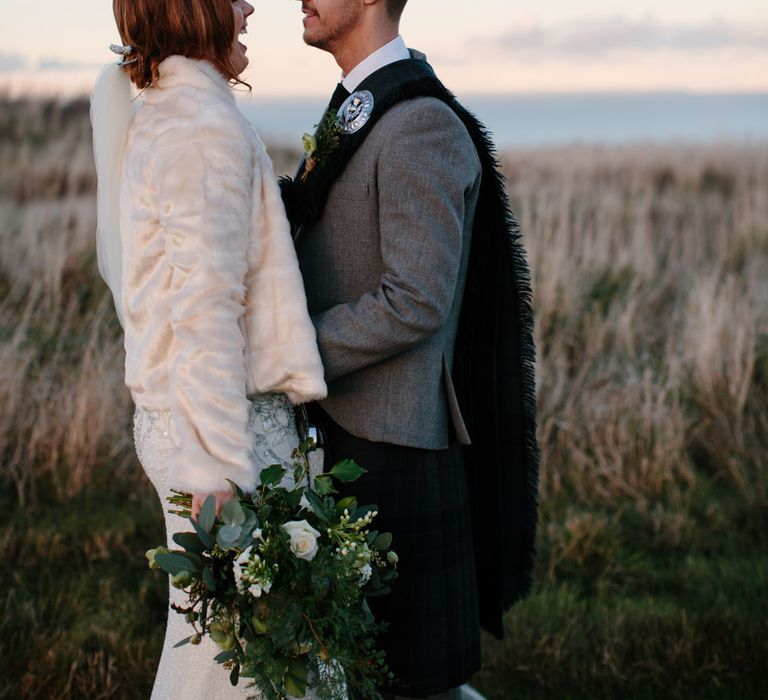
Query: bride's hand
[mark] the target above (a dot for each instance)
(199, 498)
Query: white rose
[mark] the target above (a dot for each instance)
(303, 539)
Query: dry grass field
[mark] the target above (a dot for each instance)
(651, 285)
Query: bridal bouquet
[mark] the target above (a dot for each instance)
(279, 582)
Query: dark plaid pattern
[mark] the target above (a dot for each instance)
(433, 640)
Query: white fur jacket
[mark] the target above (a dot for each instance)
(213, 300)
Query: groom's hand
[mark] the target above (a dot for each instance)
(199, 498)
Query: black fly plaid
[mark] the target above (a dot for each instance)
(433, 640)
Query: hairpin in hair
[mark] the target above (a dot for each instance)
(123, 51)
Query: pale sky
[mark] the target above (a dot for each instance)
(476, 46)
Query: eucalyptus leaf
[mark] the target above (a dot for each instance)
(234, 677)
(196, 559)
(224, 656)
(189, 541)
(272, 475)
(251, 520)
(208, 579)
(207, 516)
(388, 575)
(236, 490)
(183, 642)
(244, 541)
(232, 513)
(173, 563)
(204, 535)
(347, 470)
(228, 536)
(250, 524)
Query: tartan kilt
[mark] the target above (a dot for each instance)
(432, 642)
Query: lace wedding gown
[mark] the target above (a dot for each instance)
(189, 672)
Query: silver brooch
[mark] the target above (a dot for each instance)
(355, 112)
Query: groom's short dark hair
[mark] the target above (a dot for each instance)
(395, 8)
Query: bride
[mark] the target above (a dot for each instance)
(194, 244)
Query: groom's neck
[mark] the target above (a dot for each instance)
(359, 45)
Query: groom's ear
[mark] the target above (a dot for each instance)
(381, 7)
(392, 8)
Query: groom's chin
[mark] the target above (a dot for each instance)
(315, 42)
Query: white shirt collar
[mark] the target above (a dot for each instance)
(395, 50)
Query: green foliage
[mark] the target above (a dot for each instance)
(173, 563)
(324, 485)
(232, 513)
(347, 470)
(318, 148)
(272, 475)
(282, 591)
(207, 515)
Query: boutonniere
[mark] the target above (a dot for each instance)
(320, 147)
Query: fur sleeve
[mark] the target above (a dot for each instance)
(204, 186)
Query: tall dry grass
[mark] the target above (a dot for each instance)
(651, 283)
(62, 399)
(650, 267)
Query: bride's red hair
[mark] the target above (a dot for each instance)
(156, 29)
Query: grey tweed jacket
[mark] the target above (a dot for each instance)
(384, 270)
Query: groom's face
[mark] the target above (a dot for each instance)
(328, 24)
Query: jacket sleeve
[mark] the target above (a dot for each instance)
(424, 174)
(203, 182)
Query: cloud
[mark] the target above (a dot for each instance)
(12, 62)
(589, 37)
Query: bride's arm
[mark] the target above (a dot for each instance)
(203, 180)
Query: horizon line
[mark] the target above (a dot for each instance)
(13, 93)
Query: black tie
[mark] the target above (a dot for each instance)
(339, 95)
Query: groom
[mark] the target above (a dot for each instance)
(419, 290)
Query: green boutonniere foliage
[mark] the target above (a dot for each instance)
(318, 148)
